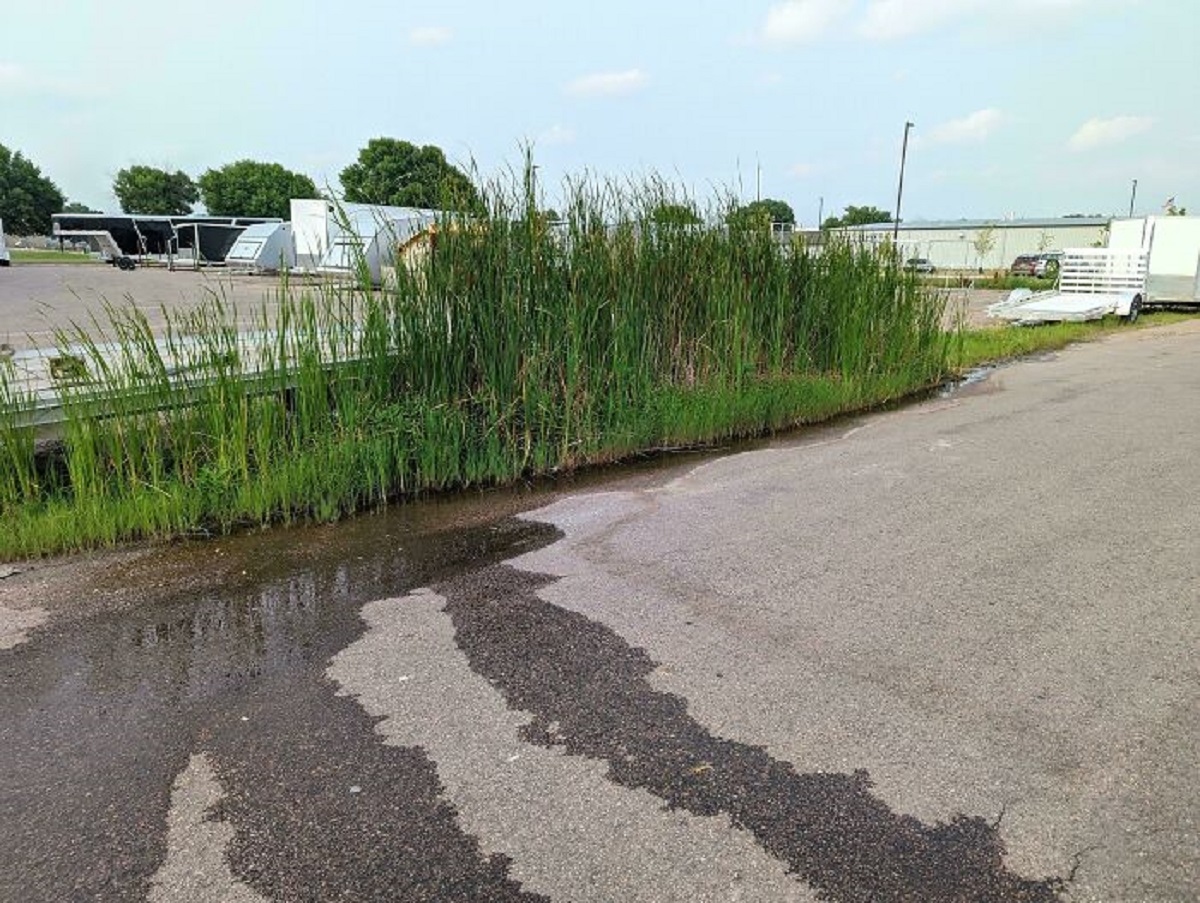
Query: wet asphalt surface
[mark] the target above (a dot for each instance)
(98, 717)
(587, 690)
(223, 648)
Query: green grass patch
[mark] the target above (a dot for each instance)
(1008, 283)
(998, 281)
(976, 347)
(30, 255)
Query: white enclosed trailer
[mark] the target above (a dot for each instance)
(367, 236)
(1173, 242)
(263, 248)
(313, 227)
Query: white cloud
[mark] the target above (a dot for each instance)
(12, 77)
(971, 129)
(18, 81)
(790, 22)
(608, 84)
(888, 20)
(891, 19)
(1101, 132)
(797, 21)
(430, 36)
(556, 135)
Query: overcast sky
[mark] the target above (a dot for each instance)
(1026, 107)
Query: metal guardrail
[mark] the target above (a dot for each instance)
(40, 384)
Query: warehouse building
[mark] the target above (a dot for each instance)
(955, 244)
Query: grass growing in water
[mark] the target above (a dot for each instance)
(513, 348)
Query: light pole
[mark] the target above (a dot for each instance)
(1132, 198)
(821, 211)
(900, 188)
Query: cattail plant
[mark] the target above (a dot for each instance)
(510, 347)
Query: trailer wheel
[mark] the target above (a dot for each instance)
(1135, 308)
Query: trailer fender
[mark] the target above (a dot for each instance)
(1128, 305)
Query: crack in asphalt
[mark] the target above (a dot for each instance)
(588, 692)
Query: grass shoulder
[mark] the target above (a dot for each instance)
(30, 255)
(994, 344)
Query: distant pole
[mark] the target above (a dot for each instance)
(758, 180)
(900, 188)
(1132, 198)
(820, 211)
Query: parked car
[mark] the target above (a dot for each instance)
(1048, 264)
(1024, 265)
(919, 265)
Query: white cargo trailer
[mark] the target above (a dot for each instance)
(312, 230)
(263, 248)
(1173, 242)
(367, 236)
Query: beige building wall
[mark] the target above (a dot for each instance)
(953, 247)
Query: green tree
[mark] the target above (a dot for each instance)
(403, 175)
(669, 213)
(857, 216)
(27, 198)
(985, 241)
(250, 188)
(77, 207)
(767, 211)
(155, 192)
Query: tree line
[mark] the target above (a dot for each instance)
(387, 171)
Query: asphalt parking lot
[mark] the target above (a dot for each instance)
(37, 298)
(939, 653)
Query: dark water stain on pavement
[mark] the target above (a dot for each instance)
(587, 690)
(99, 715)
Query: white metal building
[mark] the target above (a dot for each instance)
(950, 244)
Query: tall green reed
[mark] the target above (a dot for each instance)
(508, 346)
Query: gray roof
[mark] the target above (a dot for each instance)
(1057, 222)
